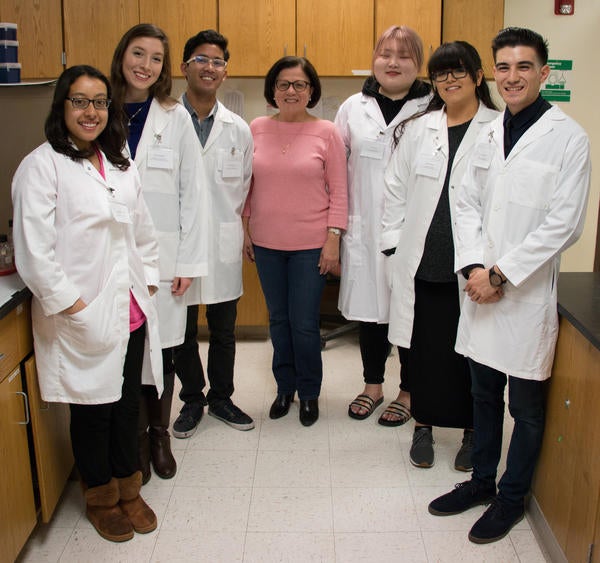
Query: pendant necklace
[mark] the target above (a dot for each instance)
(287, 146)
(132, 117)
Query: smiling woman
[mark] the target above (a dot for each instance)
(89, 351)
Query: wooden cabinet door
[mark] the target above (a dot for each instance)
(51, 442)
(252, 309)
(259, 31)
(39, 34)
(424, 16)
(17, 507)
(92, 30)
(336, 36)
(476, 24)
(179, 20)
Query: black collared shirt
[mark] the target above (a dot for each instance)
(516, 125)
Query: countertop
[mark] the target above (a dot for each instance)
(12, 292)
(579, 302)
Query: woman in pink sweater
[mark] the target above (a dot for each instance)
(294, 215)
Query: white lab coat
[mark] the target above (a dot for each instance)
(364, 291)
(414, 181)
(521, 213)
(78, 235)
(175, 188)
(227, 157)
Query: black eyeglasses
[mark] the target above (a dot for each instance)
(442, 75)
(298, 85)
(83, 103)
(203, 60)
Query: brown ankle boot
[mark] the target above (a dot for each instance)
(140, 515)
(105, 514)
(163, 461)
(159, 418)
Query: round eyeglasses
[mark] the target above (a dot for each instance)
(203, 60)
(83, 103)
(298, 85)
(442, 75)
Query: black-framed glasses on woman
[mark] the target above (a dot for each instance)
(83, 103)
(442, 75)
(298, 85)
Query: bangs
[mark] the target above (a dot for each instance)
(446, 57)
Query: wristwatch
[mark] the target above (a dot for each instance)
(334, 231)
(495, 278)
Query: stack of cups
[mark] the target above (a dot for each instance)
(10, 69)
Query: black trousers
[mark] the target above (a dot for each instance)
(374, 350)
(221, 354)
(104, 437)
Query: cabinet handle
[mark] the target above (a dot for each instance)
(305, 50)
(26, 406)
(285, 50)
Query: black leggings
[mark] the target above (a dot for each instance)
(104, 437)
(374, 350)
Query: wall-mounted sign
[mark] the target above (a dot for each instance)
(555, 88)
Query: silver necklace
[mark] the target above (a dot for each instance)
(132, 117)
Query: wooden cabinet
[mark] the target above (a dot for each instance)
(92, 30)
(51, 442)
(567, 480)
(424, 16)
(179, 20)
(17, 509)
(478, 26)
(35, 463)
(259, 33)
(336, 36)
(39, 34)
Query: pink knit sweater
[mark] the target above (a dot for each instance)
(299, 185)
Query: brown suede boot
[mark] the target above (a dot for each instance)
(140, 515)
(105, 514)
(159, 415)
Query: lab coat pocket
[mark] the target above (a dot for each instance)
(231, 239)
(351, 247)
(94, 329)
(534, 185)
(230, 166)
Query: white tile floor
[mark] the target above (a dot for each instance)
(341, 490)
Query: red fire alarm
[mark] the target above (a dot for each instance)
(564, 7)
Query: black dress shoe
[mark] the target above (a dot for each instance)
(281, 406)
(309, 411)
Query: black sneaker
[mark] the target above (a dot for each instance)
(496, 522)
(464, 496)
(462, 462)
(421, 451)
(188, 419)
(230, 414)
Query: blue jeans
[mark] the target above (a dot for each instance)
(293, 286)
(526, 406)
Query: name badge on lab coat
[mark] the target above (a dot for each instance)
(120, 212)
(482, 156)
(160, 157)
(232, 166)
(372, 149)
(429, 166)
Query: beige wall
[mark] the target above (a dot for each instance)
(23, 109)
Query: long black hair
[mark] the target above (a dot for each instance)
(450, 56)
(111, 140)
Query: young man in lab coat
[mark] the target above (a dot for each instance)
(227, 151)
(521, 204)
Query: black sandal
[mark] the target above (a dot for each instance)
(396, 408)
(364, 402)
